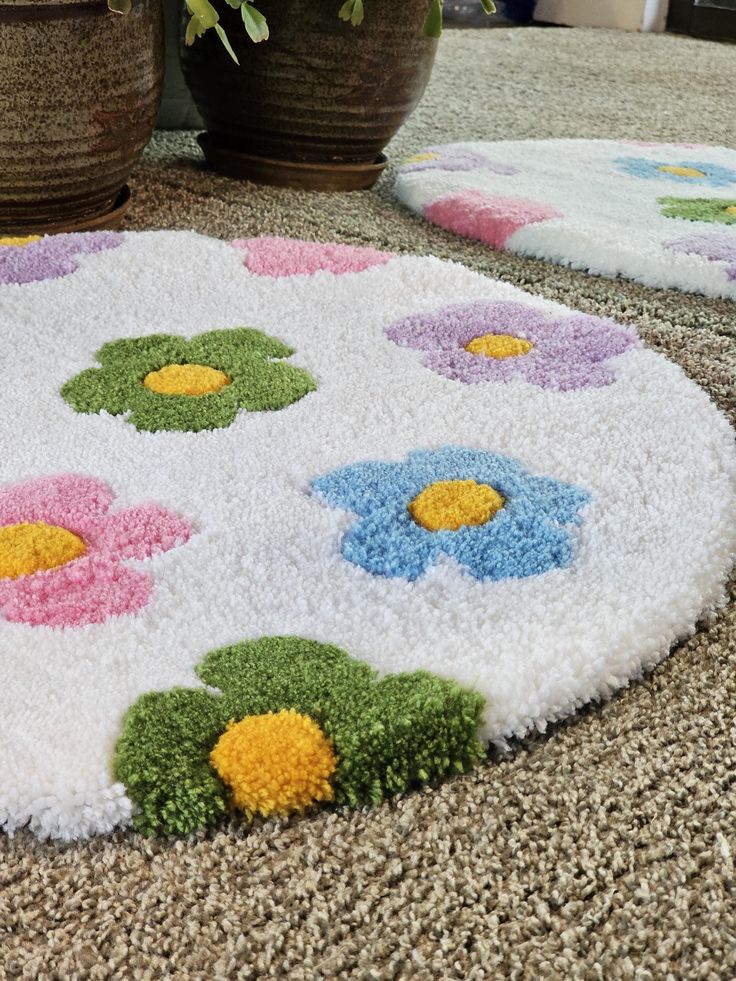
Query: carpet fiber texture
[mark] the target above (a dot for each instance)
(601, 849)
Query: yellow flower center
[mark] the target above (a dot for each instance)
(499, 346)
(28, 548)
(19, 242)
(681, 171)
(421, 157)
(449, 504)
(731, 209)
(275, 763)
(186, 379)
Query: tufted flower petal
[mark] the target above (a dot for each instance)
(35, 259)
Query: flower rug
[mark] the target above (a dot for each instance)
(663, 214)
(285, 524)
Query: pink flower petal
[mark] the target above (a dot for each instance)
(139, 532)
(489, 218)
(68, 500)
(90, 590)
(271, 256)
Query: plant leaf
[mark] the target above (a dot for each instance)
(255, 23)
(489, 6)
(120, 6)
(204, 12)
(192, 32)
(352, 10)
(228, 47)
(433, 23)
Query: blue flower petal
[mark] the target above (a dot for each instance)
(398, 548)
(363, 487)
(510, 546)
(555, 500)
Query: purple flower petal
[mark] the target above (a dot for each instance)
(51, 257)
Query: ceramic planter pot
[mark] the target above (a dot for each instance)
(81, 89)
(315, 105)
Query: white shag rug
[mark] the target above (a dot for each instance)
(661, 214)
(425, 467)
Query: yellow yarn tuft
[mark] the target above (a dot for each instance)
(186, 379)
(499, 346)
(422, 157)
(681, 171)
(275, 763)
(18, 243)
(449, 504)
(731, 209)
(27, 548)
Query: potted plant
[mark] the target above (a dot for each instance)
(315, 105)
(81, 88)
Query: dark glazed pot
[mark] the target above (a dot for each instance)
(80, 94)
(314, 105)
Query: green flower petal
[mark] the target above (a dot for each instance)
(268, 385)
(96, 389)
(226, 349)
(408, 729)
(286, 672)
(713, 210)
(153, 413)
(162, 757)
(389, 735)
(136, 356)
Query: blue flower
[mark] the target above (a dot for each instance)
(682, 171)
(522, 534)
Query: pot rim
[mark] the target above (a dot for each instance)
(54, 3)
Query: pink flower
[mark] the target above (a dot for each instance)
(276, 257)
(63, 524)
(490, 218)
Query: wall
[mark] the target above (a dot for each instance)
(627, 15)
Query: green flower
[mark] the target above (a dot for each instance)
(719, 210)
(166, 382)
(388, 735)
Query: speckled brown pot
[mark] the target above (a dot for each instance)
(319, 92)
(80, 92)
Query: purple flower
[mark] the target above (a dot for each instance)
(714, 246)
(495, 341)
(32, 259)
(453, 157)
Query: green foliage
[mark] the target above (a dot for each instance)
(203, 17)
(433, 23)
(390, 734)
(352, 12)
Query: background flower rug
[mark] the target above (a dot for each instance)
(286, 524)
(663, 214)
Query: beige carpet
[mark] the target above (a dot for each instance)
(603, 849)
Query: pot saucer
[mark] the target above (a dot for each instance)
(324, 176)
